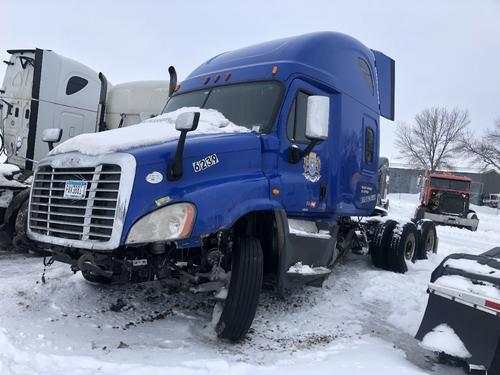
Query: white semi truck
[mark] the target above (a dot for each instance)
(43, 90)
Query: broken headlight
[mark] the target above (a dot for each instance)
(167, 223)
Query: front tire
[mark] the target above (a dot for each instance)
(96, 279)
(238, 309)
(419, 214)
(472, 215)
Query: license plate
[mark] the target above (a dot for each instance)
(75, 189)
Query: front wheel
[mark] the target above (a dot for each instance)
(234, 315)
(472, 216)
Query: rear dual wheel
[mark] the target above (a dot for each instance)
(404, 247)
(428, 238)
(394, 246)
(380, 244)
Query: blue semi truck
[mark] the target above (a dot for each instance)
(223, 213)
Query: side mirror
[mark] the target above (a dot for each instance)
(318, 116)
(187, 121)
(51, 136)
(317, 121)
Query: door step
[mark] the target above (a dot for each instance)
(299, 270)
(307, 228)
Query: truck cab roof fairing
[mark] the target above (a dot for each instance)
(330, 57)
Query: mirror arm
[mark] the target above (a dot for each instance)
(175, 170)
(295, 154)
(51, 145)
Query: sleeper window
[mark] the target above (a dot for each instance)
(369, 145)
(75, 84)
(367, 75)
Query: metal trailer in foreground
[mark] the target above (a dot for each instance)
(220, 213)
(473, 315)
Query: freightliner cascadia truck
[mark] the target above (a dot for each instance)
(43, 90)
(272, 166)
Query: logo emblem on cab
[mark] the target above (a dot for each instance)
(312, 167)
(154, 177)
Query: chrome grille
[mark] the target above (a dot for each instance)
(90, 218)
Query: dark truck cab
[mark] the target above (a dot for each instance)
(445, 199)
(220, 213)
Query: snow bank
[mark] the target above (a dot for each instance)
(6, 170)
(304, 269)
(472, 266)
(150, 132)
(444, 339)
(484, 289)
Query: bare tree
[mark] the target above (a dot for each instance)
(485, 150)
(432, 141)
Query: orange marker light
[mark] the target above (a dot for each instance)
(206, 80)
(276, 191)
(217, 77)
(228, 75)
(177, 87)
(274, 70)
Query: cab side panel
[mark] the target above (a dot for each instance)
(354, 171)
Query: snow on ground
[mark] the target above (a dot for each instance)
(154, 131)
(443, 337)
(361, 322)
(6, 171)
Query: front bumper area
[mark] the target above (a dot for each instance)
(452, 220)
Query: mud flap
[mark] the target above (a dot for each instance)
(478, 330)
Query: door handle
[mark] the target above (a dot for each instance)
(322, 192)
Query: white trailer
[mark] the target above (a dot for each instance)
(44, 90)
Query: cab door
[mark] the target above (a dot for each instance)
(304, 184)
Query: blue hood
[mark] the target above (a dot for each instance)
(239, 157)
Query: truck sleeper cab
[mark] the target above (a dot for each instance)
(219, 213)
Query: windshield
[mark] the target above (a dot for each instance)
(252, 105)
(449, 184)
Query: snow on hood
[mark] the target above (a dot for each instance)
(6, 171)
(150, 132)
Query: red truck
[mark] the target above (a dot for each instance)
(445, 199)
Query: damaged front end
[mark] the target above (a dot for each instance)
(199, 270)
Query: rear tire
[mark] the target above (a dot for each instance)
(238, 309)
(427, 238)
(380, 244)
(403, 249)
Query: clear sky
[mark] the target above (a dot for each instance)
(447, 52)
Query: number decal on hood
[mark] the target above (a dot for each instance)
(205, 163)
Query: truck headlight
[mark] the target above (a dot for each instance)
(168, 223)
